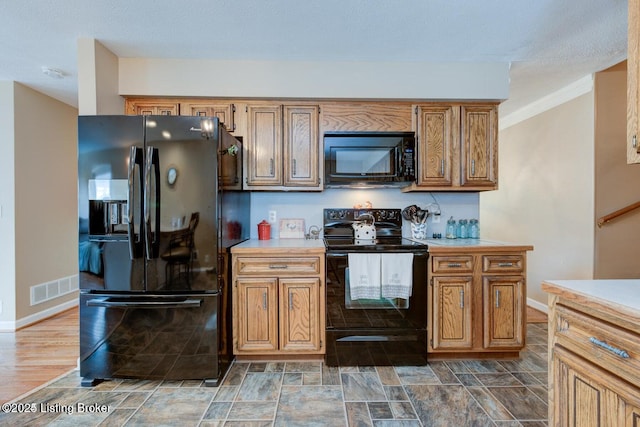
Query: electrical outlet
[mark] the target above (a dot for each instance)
(436, 218)
(272, 217)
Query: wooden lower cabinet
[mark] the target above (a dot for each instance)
(278, 304)
(594, 360)
(256, 310)
(590, 396)
(452, 312)
(477, 302)
(504, 305)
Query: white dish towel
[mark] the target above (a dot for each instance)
(364, 276)
(397, 275)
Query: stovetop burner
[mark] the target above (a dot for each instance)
(338, 231)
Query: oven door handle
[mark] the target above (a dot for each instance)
(346, 254)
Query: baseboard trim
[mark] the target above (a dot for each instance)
(538, 305)
(12, 326)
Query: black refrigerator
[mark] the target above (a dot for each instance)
(160, 205)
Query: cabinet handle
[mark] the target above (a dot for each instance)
(462, 298)
(293, 166)
(278, 266)
(612, 349)
(442, 167)
(264, 301)
(290, 302)
(497, 298)
(473, 167)
(271, 166)
(634, 141)
(505, 264)
(454, 265)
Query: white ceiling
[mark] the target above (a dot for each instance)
(549, 43)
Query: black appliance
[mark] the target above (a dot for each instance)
(158, 213)
(369, 159)
(378, 331)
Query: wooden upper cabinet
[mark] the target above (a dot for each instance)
(301, 146)
(282, 147)
(633, 86)
(151, 108)
(223, 111)
(264, 145)
(479, 150)
(437, 137)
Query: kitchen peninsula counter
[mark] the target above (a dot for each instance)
(594, 351)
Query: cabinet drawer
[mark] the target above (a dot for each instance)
(605, 345)
(502, 263)
(452, 264)
(277, 266)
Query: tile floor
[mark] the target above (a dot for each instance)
(453, 393)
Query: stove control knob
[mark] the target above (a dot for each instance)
(382, 214)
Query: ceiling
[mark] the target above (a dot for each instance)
(549, 43)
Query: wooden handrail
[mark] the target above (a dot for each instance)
(618, 213)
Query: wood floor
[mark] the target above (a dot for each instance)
(35, 355)
(41, 352)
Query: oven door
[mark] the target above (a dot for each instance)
(375, 332)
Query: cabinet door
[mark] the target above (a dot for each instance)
(152, 109)
(633, 87)
(438, 134)
(503, 302)
(585, 395)
(479, 151)
(452, 312)
(230, 167)
(257, 316)
(299, 314)
(223, 111)
(264, 145)
(301, 146)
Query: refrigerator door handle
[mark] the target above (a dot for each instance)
(134, 159)
(172, 303)
(152, 235)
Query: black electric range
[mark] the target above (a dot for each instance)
(372, 331)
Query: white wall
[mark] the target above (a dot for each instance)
(390, 80)
(7, 204)
(45, 196)
(546, 195)
(97, 79)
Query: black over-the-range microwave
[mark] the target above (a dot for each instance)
(369, 159)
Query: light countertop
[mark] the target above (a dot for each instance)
(621, 294)
(472, 245)
(302, 244)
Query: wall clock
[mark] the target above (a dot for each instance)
(172, 175)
